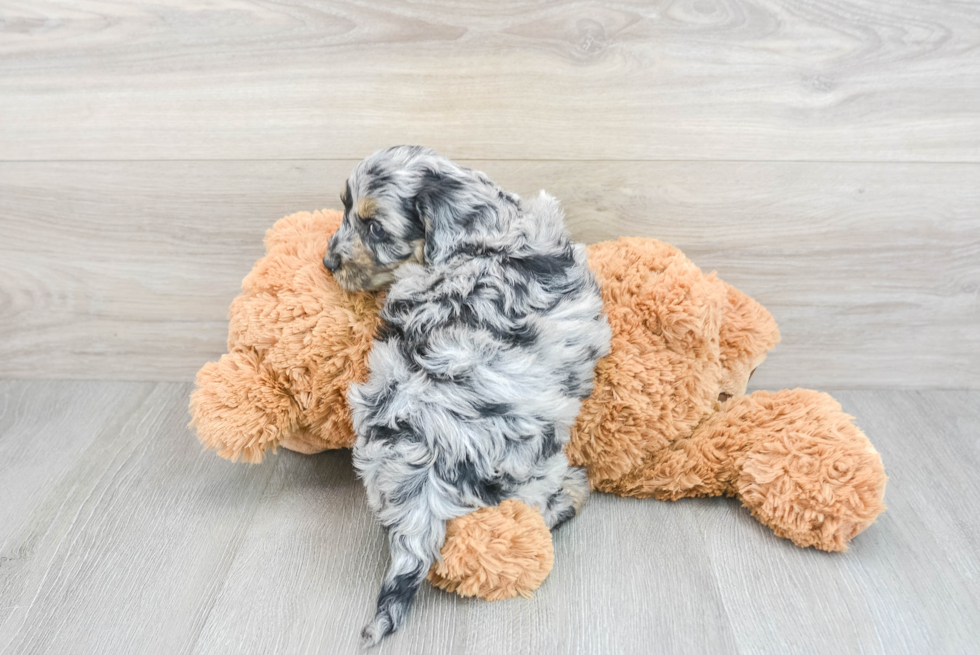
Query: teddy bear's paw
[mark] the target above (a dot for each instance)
(495, 553)
(241, 408)
(815, 478)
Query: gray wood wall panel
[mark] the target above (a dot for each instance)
(127, 538)
(126, 269)
(825, 157)
(711, 79)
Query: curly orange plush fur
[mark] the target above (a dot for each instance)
(296, 341)
(668, 417)
(495, 553)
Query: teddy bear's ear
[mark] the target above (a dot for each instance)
(241, 408)
(747, 333)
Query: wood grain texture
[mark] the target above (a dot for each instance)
(126, 538)
(45, 428)
(129, 546)
(630, 80)
(126, 269)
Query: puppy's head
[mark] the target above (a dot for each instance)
(381, 230)
(409, 205)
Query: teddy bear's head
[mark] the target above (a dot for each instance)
(296, 341)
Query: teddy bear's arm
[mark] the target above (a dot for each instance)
(495, 553)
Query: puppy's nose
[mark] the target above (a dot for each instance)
(331, 261)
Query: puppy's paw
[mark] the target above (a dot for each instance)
(376, 630)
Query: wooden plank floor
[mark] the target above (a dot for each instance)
(118, 535)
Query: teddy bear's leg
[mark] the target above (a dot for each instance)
(809, 473)
(704, 464)
(495, 553)
(795, 460)
(241, 408)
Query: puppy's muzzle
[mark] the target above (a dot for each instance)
(331, 262)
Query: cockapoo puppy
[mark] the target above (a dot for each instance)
(492, 327)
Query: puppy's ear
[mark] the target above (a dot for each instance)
(441, 207)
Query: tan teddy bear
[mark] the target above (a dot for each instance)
(668, 417)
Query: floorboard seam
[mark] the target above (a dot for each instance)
(239, 541)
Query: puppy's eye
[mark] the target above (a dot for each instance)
(377, 232)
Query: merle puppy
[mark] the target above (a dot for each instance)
(492, 327)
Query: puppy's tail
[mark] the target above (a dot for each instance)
(567, 501)
(414, 545)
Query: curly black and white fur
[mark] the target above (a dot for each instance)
(492, 327)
